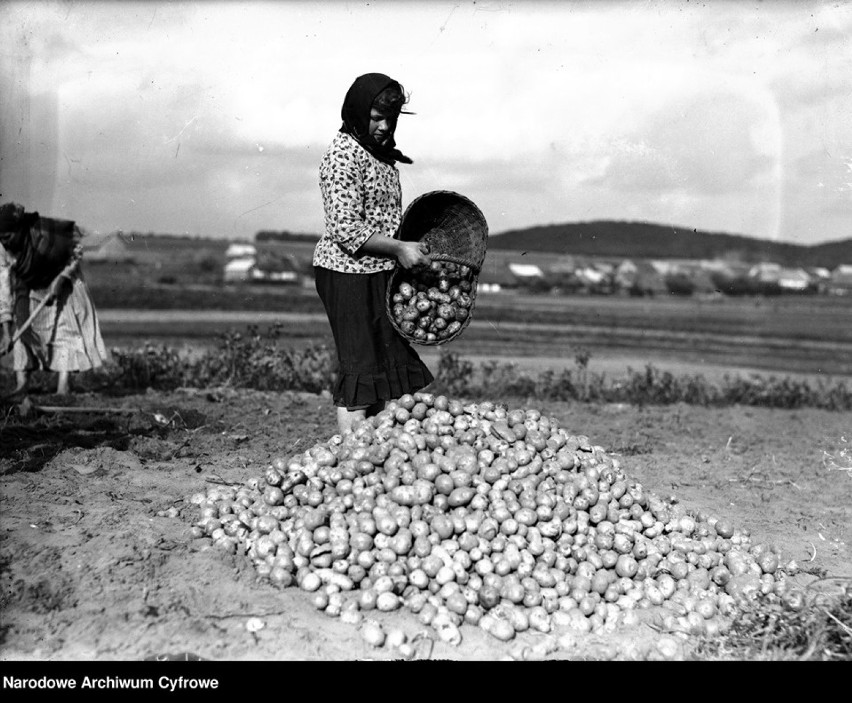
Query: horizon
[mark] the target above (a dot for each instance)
(315, 235)
(190, 118)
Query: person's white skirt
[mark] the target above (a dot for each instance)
(65, 335)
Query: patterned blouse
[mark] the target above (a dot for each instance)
(7, 297)
(362, 197)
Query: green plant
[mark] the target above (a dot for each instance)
(256, 359)
(251, 360)
(151, 366)
(454, 373)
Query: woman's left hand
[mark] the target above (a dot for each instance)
(5, 337)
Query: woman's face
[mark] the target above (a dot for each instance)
(382, 126)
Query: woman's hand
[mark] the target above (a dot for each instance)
(408, 254)
(413, 254)
(5, 337)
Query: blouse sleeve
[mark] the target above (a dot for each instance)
(344, 200)
(7, 300)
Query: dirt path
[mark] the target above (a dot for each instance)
(97, 560)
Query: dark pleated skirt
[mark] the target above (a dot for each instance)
(375, 362)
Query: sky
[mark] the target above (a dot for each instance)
(210, 118)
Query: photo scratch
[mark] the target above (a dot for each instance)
(250, 210)
(185, 127)
(447, 21)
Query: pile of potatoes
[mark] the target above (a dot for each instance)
(494, 517)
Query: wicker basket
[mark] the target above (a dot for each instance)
(452, 226)
(455, 230)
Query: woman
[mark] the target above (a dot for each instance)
(64, 336)
(355, 256)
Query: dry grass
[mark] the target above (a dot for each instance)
(820, 631)
(841, 460)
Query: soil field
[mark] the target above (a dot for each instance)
(97, 560)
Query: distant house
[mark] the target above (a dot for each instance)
(795, 280)
(625, 273)
(820, 276)
(562, 274)
(725, 269)
(525, 271)
(495, 277)
(276, 267)
(530, 276)
(566, 262)
(106, 248)
(596, 277)
(247, 263)
(640, 278)
(840, 282)
(237, 250)
(771, 277)
(765, 272)
(239, 270)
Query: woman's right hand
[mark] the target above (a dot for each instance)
(413, 254)
(5, 337)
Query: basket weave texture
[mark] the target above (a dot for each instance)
(453, 227)
(456, 231)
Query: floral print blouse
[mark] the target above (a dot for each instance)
(362, 197)
(7, 298)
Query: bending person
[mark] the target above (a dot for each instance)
(64, 336)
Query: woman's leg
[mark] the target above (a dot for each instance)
(62, 383)
(22, 377)
(348, 418)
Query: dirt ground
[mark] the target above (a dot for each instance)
(97, 561)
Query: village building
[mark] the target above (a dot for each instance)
(562, 274)
(276, 267)
(238, 250)
(820, 277)
(795, 280)
(530, 276)
(772, 276)
(840, 282)
(765, 272)
(495, 277)
(109, 248)
(639, 278)
(239, 270)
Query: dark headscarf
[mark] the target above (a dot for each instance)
(14, 226)
(41, 246)
(356, 116)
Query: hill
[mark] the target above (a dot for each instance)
(285, 236)
(601, 238)
(640, 240)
